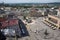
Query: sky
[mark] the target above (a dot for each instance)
(28, 1)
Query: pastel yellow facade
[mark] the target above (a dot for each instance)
(54, 20)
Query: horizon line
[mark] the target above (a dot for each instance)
(34, 2)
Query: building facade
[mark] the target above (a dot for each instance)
(53, 20)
